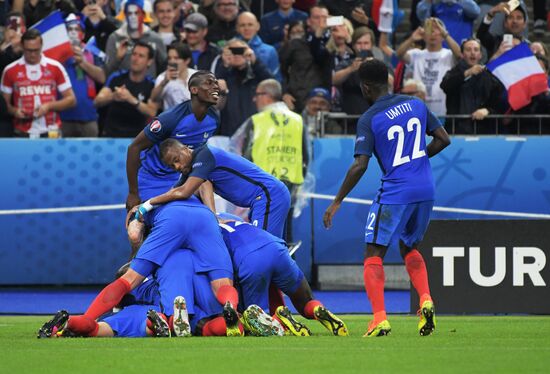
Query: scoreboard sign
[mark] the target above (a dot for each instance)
(488, 266)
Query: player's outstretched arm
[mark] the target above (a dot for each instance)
(354, 174)
(439, 142)
(182, 192)
(133, 162)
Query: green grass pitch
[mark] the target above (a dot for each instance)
(460, 344)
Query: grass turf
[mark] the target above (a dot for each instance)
(461, 344)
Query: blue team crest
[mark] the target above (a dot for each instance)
(155, 126)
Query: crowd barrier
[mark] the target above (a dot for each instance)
(62, 213)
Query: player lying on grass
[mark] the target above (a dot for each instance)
(259, 259)
(181, 224)
(145, 301)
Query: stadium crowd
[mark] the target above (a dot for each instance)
(129, 60)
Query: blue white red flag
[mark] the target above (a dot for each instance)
(56, 43)
(520, 72)
(386, 15)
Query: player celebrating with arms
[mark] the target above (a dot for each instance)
(393, 129)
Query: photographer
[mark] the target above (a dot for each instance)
(171, 86)
(345, 75)
(242, 72)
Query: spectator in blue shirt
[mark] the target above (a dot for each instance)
(247, 28)
(457, 15)
(273, 24)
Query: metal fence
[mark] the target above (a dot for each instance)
(460, 124)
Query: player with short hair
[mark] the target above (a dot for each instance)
(234, 178)
(261, 259)
(393, 130)
(191, 123)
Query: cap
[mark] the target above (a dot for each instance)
(319, 92)
(195, 21)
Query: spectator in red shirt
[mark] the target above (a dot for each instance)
(30, 87)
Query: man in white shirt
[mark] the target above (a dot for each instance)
(431, 63)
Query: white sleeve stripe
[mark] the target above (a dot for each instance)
(6, 89)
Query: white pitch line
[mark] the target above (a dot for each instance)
(442, 208)
(312, 195)
(63, 210)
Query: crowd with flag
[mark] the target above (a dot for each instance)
(459, 57)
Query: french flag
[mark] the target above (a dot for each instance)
(56, 45)
(386, 14)
(519, 71)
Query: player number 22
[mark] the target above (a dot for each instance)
(412, 125)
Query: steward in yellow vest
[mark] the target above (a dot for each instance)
(276, 143)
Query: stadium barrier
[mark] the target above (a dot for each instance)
(494, 124)
(62, 210)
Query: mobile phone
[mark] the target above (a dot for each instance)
(237, 50)
(364, 54)
(335, 21)
(508, 39)
(513, 4)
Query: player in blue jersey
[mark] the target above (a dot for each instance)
(180, 224)
(234, 178)
(260, 259)
(192, 123)
(393, 129)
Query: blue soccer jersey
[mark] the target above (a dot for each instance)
(236, 179)
(393, 129)
(242, 238)
(259, 259)
(181, 124)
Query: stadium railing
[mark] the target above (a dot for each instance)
(503, 124)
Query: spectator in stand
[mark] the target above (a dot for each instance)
(261, 7)
(357, 11)
(166, 16)
(429, 65)
(472, 89)
(224, 24)
(339, 46)
(36, 10)
(273, 24)
(242, 72)
(346, 76)
(318, 100)
(127, 93)
(81, 120)
(120, 43)
(540, 48)
(31, 86)
(247, 30)
(458, 16)
(540, 104)
(301, 70)
(11, 48)
(496, 28)
(204, 54)
(171, 86)
(414, 88)
(97, 23)
(514, 23)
